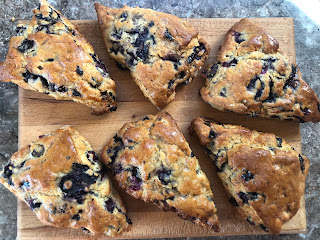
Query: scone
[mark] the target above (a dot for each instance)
(252, 76)
(49, 55)
(263, 175)
(60, 178)
(160, 50)
(152, 161)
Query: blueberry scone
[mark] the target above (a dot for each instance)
(49, 55)
(263, 175)
(252, 76)
(159, 49)
(60, 178)
(152, 161)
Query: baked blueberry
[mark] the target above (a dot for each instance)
(79, 71)
(38, 151)
(164, 175)
(92, 156)
(238, 37)
(247, 176)
(110, 205)
(279, 141)
(33, 204)
(26, 45)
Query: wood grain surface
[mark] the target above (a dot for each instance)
(39, 114)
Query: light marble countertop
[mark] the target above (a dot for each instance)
(307, 37)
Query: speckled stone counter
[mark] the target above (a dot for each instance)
(307, 35)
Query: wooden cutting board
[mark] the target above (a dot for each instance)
(39, 114)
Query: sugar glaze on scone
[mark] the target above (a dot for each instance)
(252, 76)
(161, 50)
(152, 161)
(263, 175)
(49, 55)
(59, 176)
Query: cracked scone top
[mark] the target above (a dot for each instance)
(49, 55)
(152, 161)
(161, 50)
(60, 178)
(252, 76)
(263, 175)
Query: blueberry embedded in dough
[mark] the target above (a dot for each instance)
(135, 179)
(76, 93)
(25, 185)
(92, 156)
(7, 173)
(212, 135)
(26, 45)
(247, 175)
(232, 63)
(293, 80)
(167, 35)
(33, 204)
(279, 141)
(38, 150)
(238, 37)
(263, 227)
(164, 175)
(79, 71)
(301, 160)
(76, 217)
(20, 30)
(249, 196)
(223, 92)
(267, 65)
(197, 54)
(110, 205)
(170, 83)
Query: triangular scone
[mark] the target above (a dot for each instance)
(252, 76)
(60, 178)
(263, 175)
(152, 161)
(49, 55)
(161, 50)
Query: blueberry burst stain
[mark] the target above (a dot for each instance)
(75, 185)
(135, 181)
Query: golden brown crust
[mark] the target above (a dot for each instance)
(253, 77)
(152, 161)
(60, 178)
(50, 56)
(263, 175)
(160, 49)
